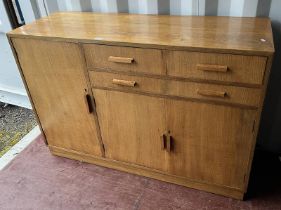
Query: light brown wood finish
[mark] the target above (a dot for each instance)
(152, 173)
(215, 68)
(210, 143)
(258, 119)
(221, 34)
(54, 75)
(207, 66)
(135, 125)
(172, 98)
(141, 60)
(212, 93)
(124, 82)
(131, 128)
(27, 90)
(120, 59)
(240, 69)
(249, 97)
(203, 136)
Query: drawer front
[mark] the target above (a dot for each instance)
(192, 90)
(216, 67)
(124, 59)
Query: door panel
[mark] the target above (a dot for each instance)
(211, 142)
(131, 126)
(55, 78)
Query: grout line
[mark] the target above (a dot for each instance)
(18, 147)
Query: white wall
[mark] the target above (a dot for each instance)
(11, 87)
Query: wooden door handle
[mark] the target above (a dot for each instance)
(89, 103)
(120, 59)
(211, 93)
(212, 68)
(124, 82)
(169, 142)
(166, 142)
(163, 142)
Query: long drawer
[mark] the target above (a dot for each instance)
(229, 68)
(191, 90)
(216, 67)
(130, 59)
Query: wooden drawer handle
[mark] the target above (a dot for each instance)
(120, 59)
(220, 94)
(212, 68)
(124, 82)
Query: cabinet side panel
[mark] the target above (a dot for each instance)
(55, 78)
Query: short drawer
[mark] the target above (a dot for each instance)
(217, 67)
(130, 59)
(209, 92)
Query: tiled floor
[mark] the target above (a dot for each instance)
(38, 180)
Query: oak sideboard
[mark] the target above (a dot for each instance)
(173, 98)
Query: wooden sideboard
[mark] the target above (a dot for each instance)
(173, 98)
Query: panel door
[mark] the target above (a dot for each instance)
(54, 73)
(211, 143)
(131, 126)
(208, 143)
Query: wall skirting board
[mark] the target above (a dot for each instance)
(18, 147)
(15, 98)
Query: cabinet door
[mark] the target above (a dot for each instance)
(209, 143)
(54, 73)
(131, 126)
(212, 143)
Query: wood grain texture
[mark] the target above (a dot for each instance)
(26, 88)
(131, 128)
(168, 97)
(55, 78)
(144, 60)
(212, 67)
(148, 172)
(249, 97)
(240, 69)
(258, 119)
(126, 83)
(221, 34)
(120, 59)
(203, 136)
(212, 93)
(210, 143)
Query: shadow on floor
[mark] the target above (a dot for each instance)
(265, 178)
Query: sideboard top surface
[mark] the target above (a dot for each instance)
(222, 34)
